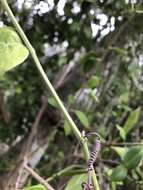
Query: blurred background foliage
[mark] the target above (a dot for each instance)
(92, 52)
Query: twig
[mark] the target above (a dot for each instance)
(18, 180)
(124, 144)
(37, 177)
(111, 162)
(65, 72)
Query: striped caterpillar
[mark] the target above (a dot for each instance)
(93, 156)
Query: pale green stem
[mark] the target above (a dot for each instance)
(124, 144)
(50, 87)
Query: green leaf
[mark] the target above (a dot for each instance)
(121, 132)
(119, 51)
(124, 98)
(87, 31)
(67, 128)
(119, 150)
(75, 182)
(119, 173)
(88, 61)
(134, 69)
(83, 119)
(93, 82)
(12, 51)
(132, 120)
(71, 99)
(133, 156)
(35, 187)
(52, 102)
(93, 96)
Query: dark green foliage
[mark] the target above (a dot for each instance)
(119, 173)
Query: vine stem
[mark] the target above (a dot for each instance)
(74, 128)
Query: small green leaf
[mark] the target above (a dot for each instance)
(87, 31)
(88, 61)
(93, 96)
(134, 69)
(83, 119)
(121, 132)
(75, 182)
(35, 187)
(131, 121)
(93, 82)
(124, 98)
(12, 51)
(133, 156)
(119, 51)
(119, 150)
(71, 99)
(52, 102)
(119, 173)
(67, 128)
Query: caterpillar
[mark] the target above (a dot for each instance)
(93, 156)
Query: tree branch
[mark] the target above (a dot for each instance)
(37, 177)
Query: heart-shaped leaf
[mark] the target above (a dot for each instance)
(12, 51)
